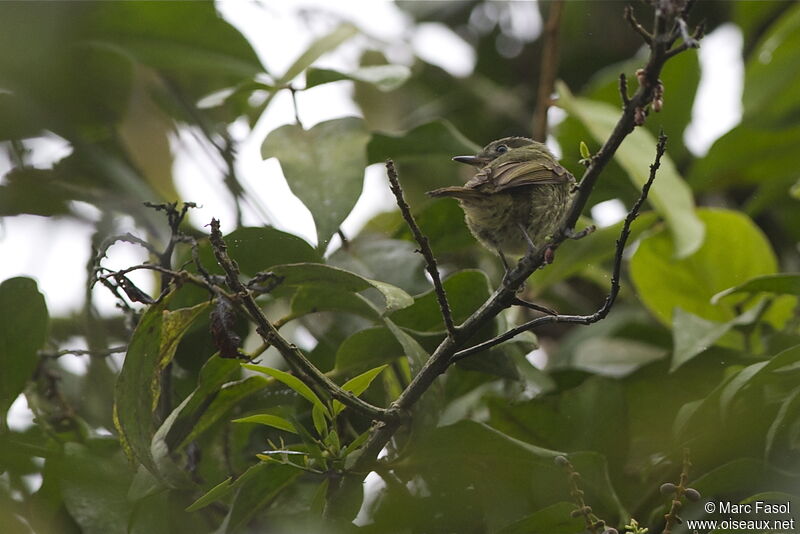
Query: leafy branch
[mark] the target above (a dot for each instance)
(451, 349)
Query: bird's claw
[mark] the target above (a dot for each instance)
(572, 234)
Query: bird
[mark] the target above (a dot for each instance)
(516, 198)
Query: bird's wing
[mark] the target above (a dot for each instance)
(457, 191)
(513, 174)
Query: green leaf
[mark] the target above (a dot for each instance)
(436, 139)
(749, 154)
(779, 284)
(136, 395)
(392, 261)
(23, 331)
(319, 420)
(417, 356)
(229, 396)
(555, 519)
(290, 380)
(574, 419)
(497, 469)
(784, 421)
(585, 154)
(270, 420)
(670, 195)
(94, 486)
(772, 73)
(367, 348)
(743, 474)
(466, 291)
(787, 359)
(613, 356)
(357, 385)
(189, 40)
(324, 167)
(214, 373)
(257, 249)
(31, 190)
(384, 77)
(735, 250)
(214, 494)
(319, 47)
(576, 256)
(319, 298)
(256, 489)
(314, 275)
(692, 335)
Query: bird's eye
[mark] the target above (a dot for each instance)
(502, 149)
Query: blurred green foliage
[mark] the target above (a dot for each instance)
(701, 350)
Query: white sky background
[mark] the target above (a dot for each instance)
(54, 251)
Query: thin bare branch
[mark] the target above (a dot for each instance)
(271, 336)
(424, 249)
(647, 37)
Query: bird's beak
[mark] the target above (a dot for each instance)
(470, 160)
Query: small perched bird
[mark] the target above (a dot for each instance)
(516, 198)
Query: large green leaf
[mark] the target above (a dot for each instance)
(316, 274)
(292, 381)
(734, 251)
(575, 419)
(748, 155)
(575, 256)
(323, 45)
(367, 348)
(137, 392)
(258, 249)
(555, 519)
(692, 334)
(772, 73)
(469, 464)
(214, 373)
(670, 195)
(94, 485)
(384, 77)
(256, 488)
(434, 139)
(22, 332)
(466, 291)
(187, 39)
(324, 167)
(779, 284)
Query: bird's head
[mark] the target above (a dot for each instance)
(507, 149)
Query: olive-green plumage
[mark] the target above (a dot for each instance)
(519, 194)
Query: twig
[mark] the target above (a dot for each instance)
(547, 73)
(593, 524)
(633, 111)
(623, 89)
(647, 37)
(602, 312)
(424, 249)
(271, 336)
(84, 352)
